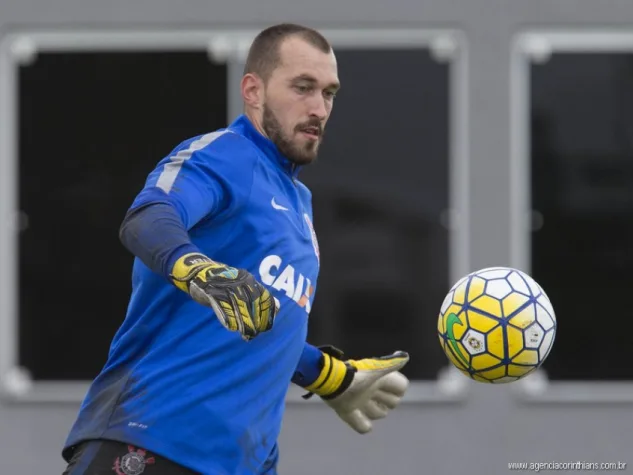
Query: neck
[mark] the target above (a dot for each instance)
(256, 123)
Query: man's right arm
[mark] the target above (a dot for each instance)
(191, 186)
(156, 235)
(199, 180)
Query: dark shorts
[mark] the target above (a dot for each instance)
(104, 457)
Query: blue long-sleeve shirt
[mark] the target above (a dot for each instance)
(176, 382)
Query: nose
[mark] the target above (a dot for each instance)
(318, 107)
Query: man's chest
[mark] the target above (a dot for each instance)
(279, 214)
(279, 219)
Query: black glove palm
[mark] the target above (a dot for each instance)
(240, 302)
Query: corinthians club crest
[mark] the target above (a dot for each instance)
(132, 463)
(315, 242)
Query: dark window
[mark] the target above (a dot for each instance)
(582, 185)
(91, 128)
(380, 188)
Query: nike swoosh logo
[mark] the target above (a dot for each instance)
(450, 322)
(277, 206)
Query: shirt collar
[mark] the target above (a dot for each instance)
(245, 127)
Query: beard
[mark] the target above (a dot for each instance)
(295, 151)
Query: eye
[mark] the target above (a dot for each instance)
(329, 94)
(302, 89)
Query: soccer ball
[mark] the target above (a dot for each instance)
(496, 325)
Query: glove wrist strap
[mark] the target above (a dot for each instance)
(335, 378)
(186, 267)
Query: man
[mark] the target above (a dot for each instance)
(223, 281)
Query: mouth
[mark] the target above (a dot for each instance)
(311, 132)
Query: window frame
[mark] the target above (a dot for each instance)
(532, 47)
(231, 47)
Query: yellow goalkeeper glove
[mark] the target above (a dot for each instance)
(360, 391)
(240, 302)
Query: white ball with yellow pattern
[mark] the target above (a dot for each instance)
(497, 325)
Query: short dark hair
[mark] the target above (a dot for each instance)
(263, 56)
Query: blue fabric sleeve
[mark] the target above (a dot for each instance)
(206, 177)
(309, 367)
(156, 235)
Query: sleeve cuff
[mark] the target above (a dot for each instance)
(310, 366)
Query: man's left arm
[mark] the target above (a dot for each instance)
(309, 366)
(359, 391)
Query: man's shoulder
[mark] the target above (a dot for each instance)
(303, 188)
(217, 142)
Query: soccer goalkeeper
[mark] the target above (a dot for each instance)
(224, 276)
